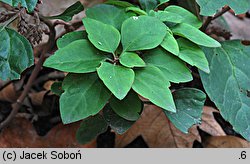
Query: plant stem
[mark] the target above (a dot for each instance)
(16, 106)
(210, 19)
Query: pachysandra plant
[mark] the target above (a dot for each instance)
(125, 54)
(129, 56)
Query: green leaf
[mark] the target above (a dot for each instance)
(131, 59)
(16, 54)
(119, 3)
(151, 84)
(56, 88)
(84, 95)
(148, 5)
(68, 14)
(108, 14)
(136, 10)
(78, 57)
(90, 128)
(170, 44)
(129, 108)
(166, 16)
(160, 2)
(210, 7)
(191, 6)
(173, 68)
(100, 34)
(136, 37)
(192, 54)
(71, 37)
(29, 4)
(187, 16)
(117, 123)
(228, 84)
(117, 78)
(195, 35)
(189, 105)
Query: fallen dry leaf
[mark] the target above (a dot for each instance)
(9, 93)
(154, 127)
(158, 131)
(48, 85)
(225, 142)
(37, 97)
(209, 124)
(20, 133)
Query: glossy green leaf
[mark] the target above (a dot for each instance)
(136, 37)
(101, 37)
(129, 108)
(136, 10)
(187, 16)
(117, 123)
(108, 14)
(131, 59)
(118, 79)
(189, 105)
(68, 14)
(193, 54)
(16, 54)
(84, 95)
(90, 128)
(195, 35)
(173, 68)
(151, 84)
(71, 37)
(228, 84)
(210, 7)
(148, 5)
(119, 3)
(78, 57)
(56, 88)
(170, 44)
(166, 16)
(29, 4)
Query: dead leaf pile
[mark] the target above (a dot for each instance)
(21, 133)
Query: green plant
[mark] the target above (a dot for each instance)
(126, 52)
(129, 52)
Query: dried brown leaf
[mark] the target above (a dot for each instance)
(38, 97)
(21, 133)
(157, 131)
(225, 142)
(48, 85)
(209, 124)
(9, 93)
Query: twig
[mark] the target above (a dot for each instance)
(48, 46)
(49, 76)
(72, 27)
(210, 19)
